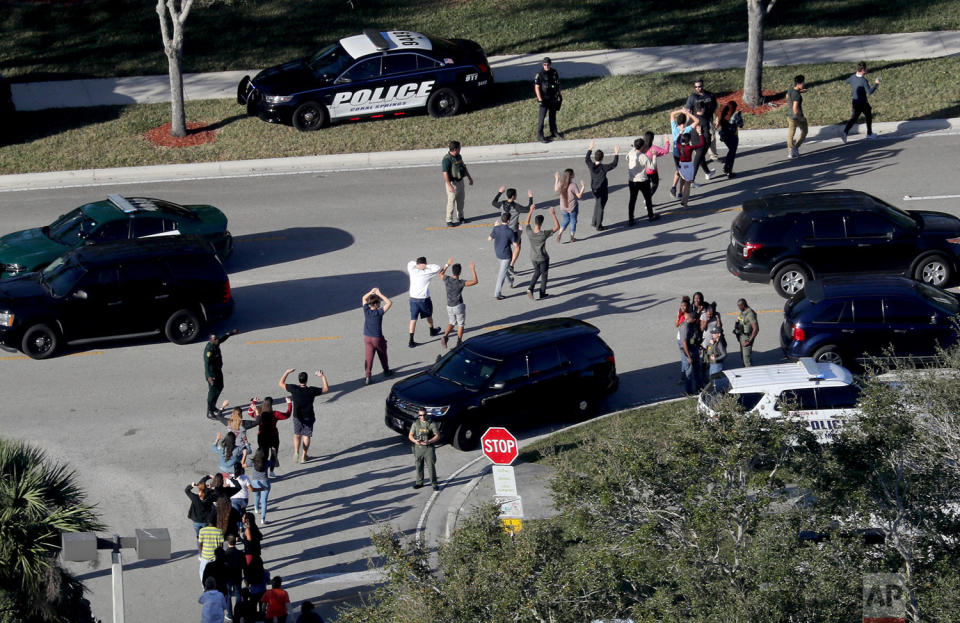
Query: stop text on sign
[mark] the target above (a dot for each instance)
(499, 446)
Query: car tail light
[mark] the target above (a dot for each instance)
(483, 67)
(798, 333)
(749, 248)
(226, 291)
(611, 360)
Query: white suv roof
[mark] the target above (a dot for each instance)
(804, 373)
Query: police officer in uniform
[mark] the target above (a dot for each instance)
(546, 85)
(213, 370)
(424, 435)
(746, 329)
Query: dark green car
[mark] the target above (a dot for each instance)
(116, 218)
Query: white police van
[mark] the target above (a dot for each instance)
(375, 74)
(821, 394)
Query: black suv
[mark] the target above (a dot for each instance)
(117, 289)
(509, 377)
(841, 319)
(794, 237)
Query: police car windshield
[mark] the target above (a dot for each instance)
(466, 368)
(330, 61)
(61, 277)
(67, 228)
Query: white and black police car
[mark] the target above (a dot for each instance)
(376, 74)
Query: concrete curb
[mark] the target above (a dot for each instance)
(415, 158)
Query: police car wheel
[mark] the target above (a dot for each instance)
(182, 327)
(39, 342)
(309, 116)
(444, 103)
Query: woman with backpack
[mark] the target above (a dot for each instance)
(729, 120)
(268, 437)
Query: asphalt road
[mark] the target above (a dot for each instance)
(129, 417)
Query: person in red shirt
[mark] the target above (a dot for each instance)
(276, 600)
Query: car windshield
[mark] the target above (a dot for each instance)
(898, 216)
(719, 388)
(938, 297)
(330, 61)
(466, 368)
(67, 228)
(61, 277)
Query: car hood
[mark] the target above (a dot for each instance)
(937, 222)
(21, 289)
(30, 248)
(292, 77)
(429, 390)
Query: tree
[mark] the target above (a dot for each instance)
(173, 14)
(757, 11)
(39, 499)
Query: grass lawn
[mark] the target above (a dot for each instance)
(103, 38)
(82, 138)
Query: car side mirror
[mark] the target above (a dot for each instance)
(498, 385)
(80, 294)
(934, 319)
(342, 80)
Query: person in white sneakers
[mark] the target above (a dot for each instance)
(420, 304)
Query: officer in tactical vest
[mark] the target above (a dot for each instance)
(424, 436)
(213, 370)
(546, 85)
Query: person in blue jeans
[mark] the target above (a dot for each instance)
(259, 479)
(570, 195)
(691, 336)
(229, 452)
(715, 352)
(506, 248)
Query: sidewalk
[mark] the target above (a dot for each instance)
(521, 67)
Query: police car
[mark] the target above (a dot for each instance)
(376, 74)
(821, 394)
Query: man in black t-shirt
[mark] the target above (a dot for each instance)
(546, 86)
(456, 308)
(302, 397)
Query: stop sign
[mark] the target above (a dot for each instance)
(499, 445)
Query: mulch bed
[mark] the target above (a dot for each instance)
(771, 101)
(197, 134)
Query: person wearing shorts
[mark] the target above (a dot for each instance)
(420, 304)
(456, 309)
(302, 397)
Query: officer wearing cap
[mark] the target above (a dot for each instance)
(424, 435)
(213, 370)
(546, 85)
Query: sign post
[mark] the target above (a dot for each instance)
(500, 447)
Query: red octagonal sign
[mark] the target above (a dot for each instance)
(499, 445)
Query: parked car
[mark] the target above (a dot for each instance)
(843, 320)
(792, 238)
(823, 395)
(513, 377)
(116, 290)
(374, 74)
(116, 218)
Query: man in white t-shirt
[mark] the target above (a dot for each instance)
(420, 304)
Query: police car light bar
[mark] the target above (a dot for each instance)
(121, 203)
(376, 38)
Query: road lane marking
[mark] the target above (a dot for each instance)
(294, 339)
(463, 226)
(927, 197)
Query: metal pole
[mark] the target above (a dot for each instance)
(117, 576)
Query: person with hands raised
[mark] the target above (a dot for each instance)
(569, 202)
(304, 416)
(598, 180)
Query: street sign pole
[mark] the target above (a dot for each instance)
(500, 447)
